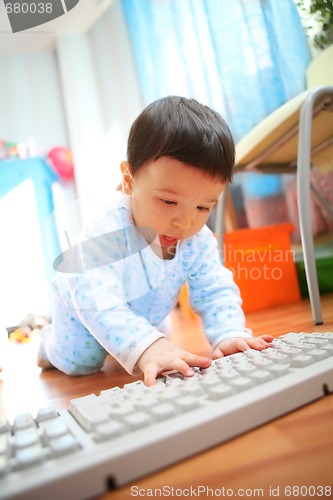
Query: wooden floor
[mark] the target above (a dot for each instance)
(301, 442)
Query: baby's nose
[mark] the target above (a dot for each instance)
(183, 223)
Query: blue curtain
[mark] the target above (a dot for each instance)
(244, 58)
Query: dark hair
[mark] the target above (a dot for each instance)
(186, 130)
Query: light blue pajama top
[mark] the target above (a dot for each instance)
(116, 292)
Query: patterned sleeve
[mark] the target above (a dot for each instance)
(215, 296)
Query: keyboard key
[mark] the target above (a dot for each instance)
(226, 373)
(319, 354)
(26, 437)
(138, 420)
(301, 360)
(26, 457)
(53, 430)
(278, 343)
(163, 411)
(220, 391)
(88, 411)
(112, 393)
(187, 403)
(46, 413)
(158, 388)
(108, 430)
(276, 356)
(210, 369)
(262, 362)
(241, 383)
(210, 380)
(105, 401)
(135, 387)
(252, 353)
(279, 369)
(121, 410)
(170, 394)
(260, 376)
(328, 348)
(192, 388)
(23, 421)
(246, 369)
(63, 445)
(173, 382)
(146, 401)
(239, 357)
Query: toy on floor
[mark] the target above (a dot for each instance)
(28, 328)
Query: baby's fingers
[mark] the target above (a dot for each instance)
(257, 343)
(151, 371)
(150, 374)
(196, 360)
(267, 338)
(217, 353)
(184, 366)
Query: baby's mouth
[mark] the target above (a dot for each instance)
(167, 240)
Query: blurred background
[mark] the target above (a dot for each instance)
(70, 89)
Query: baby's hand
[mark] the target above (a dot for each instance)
(237, 344)
(163, 355)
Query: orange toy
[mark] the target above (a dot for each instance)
(263, 265)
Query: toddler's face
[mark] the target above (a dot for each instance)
(173, 198)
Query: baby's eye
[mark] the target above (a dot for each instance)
(168, 202)
(203, 209)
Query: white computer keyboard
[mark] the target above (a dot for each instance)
(105, 441)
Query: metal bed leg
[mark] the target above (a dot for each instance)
(303, 196)
(219, 222)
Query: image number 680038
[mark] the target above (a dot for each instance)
(28, 14)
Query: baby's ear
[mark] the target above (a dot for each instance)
(127, 180)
